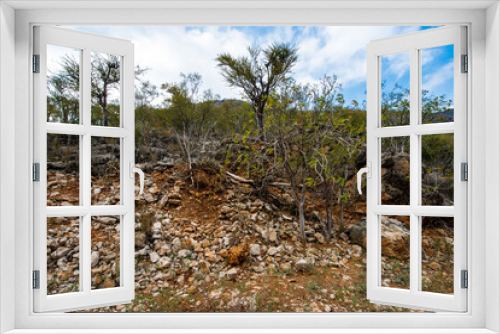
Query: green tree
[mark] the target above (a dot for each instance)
(258, 74)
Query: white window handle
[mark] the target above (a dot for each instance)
(368, 171)
(134, 170)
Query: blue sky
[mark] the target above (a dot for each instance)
(323, 50)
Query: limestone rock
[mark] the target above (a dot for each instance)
(232, 274)
(319, 238)
(304, 264)
(184, 253)
(94, 259)
(272, 236)
(272, 251)
(154, 257)
(255, 249)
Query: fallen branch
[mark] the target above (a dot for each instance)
(239, 178)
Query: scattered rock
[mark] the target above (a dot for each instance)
(176, 244)
(303, 264)
(154, 257)
(62, 251)
(356, 251)
(225, 209)
(273, 236)
(272, 251)
(94, 259)
(149, 198)
(434, 266)
(109, 283)
(319, 238)
(231, 274)
(255, 249)
(238, 254)
(184, 253)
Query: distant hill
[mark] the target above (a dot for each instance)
(442, 116)
(218, 103)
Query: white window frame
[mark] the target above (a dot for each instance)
(87, 43)
(484, 103)
(412, 44)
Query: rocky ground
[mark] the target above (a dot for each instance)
(208, 244)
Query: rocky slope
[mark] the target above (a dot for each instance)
(216, 246)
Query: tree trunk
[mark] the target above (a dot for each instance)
(302, 220)
(259, 114)
(105, 106)
(329, 208)
(341, 210)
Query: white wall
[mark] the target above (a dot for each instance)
(482, 104)
(7, 162)
(492, 150)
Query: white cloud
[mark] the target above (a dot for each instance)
(433, 81)
(340, 51)
(169, 50)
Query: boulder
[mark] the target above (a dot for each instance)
(395, 237)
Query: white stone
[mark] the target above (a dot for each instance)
(154, 257)
(184, 253)
(255, 249)
(94, 259)
(272, 251)
(232, 274)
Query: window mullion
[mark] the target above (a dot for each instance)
(85, 244)
(414, 170)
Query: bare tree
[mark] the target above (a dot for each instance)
(192, 121)
(105, 78)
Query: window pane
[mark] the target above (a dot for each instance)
(395, 246)
(63, 85)
(105, 257)
(63, 255)
(395, 157)
(105, 171)
(63, 170)
(437, 84)
(105, 89)
(437, 170)
(437, 254)
(395, 87)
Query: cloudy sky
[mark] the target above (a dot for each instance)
(169, 50)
